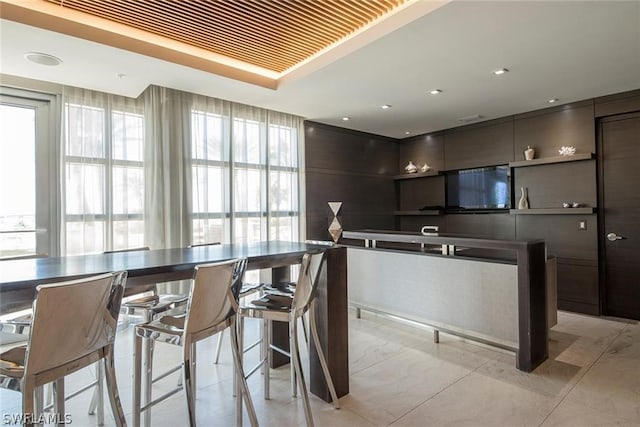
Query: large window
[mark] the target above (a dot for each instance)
(84, 172)
(244, 177)
(104, 178)
(210, 178)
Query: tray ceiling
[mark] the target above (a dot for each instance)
(274, 35)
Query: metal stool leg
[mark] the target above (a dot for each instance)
(38, 400)
(323, 361)
(243, 388)
(100, 392)
(295, 359)
(268, 359)
(137, 379)
(218, 347)
(29, 401)
(148, 379)
(189, 375)
(58, 392)
(112, 387)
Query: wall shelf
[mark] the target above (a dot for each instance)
(550, 160)
(416, 175)
(553, 211)
(430, 212)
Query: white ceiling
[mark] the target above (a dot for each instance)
(568, 50)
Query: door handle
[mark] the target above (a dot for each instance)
(612, 237)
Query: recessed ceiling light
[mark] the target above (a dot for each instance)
(552, 100)
(386, 106)
(43, 58)
(407, 133)
(121, 75)
(501, 71)
(346, 118)
(470, 118)
(435, 91)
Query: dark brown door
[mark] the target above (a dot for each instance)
(620, 225)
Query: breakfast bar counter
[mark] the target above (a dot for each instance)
(444, 281)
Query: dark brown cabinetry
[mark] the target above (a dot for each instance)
(378, 198)
(550, 179)
(485, 144)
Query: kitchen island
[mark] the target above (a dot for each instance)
(494, 291)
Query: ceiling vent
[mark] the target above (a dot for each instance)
(472, 118)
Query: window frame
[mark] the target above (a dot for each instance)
(47, 114)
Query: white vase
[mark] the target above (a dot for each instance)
(529, 153)
(411, 168)
(523, 203)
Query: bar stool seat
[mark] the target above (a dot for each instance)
(150, 305)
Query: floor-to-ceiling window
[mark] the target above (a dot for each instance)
(103, 145)
(82, 172)
(245, 174)
(173, 169)
(210, 177)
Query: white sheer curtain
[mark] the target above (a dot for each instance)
(285, 212)
(167, 171)
(174, 168)
(210, 169)
(102, 172)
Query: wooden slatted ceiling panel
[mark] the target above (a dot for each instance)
(272, 34)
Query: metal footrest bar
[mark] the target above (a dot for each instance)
(252, 346)
(160, 399)
(166, 374)
(255, 368)
(279, 350)
(74, 394)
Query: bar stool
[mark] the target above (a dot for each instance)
(17, 325)
(277, 308)
(150, 304)
(246, 290)
(64, 341)
(211, 308)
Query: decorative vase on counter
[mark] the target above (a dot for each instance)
(529, 153)
(425, 168)
(411, 168)
(335, 221)
(523, 203)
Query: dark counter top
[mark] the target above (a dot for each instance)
(174, 263)
(439, 239)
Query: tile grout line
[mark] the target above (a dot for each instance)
(440, 391)
(582, 376)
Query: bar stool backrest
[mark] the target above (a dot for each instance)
(73, 319)
(213, 299)
(139, 289)
(307, 284)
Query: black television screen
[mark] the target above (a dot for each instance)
(477, 189)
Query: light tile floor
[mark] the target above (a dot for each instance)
(399, 377)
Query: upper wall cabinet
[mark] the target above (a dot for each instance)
(548, 130)
(485, 144)
(335, 149)
(423, 149)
